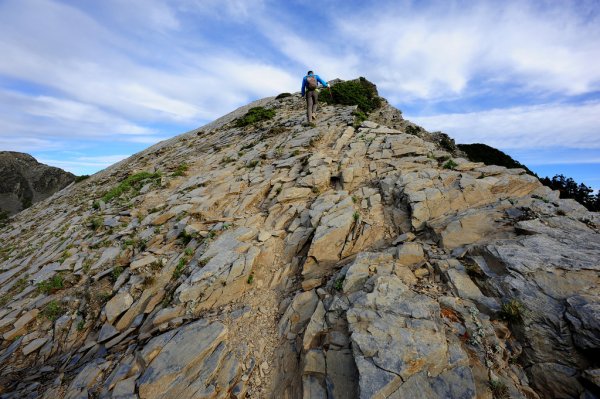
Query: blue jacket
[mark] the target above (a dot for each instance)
(319, 80)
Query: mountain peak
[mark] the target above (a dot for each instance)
(262, 256)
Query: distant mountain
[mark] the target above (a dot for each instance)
(24, 181)
(491, 156)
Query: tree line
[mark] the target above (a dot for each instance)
(569, 188)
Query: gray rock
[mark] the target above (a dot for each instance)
(34, 345)
(107, 332)
(398, 331)
(184, 361)
(342, 375)
(583, 312)
(117, 305)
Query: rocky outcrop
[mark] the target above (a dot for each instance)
(24, 181)
(341, 260)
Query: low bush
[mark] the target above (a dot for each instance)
(359, 92)
(283, 95)
(255, 114)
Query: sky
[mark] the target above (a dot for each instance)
(85, 83)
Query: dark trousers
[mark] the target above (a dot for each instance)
(312, 98)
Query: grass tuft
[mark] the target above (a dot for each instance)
(513, 311)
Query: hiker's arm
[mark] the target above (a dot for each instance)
(324, 83)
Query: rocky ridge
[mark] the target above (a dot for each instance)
(24, 181)
(284, 260)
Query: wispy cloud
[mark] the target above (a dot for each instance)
(442, 48)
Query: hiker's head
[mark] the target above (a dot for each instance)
(309, 72)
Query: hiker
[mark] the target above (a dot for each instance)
(309, 87)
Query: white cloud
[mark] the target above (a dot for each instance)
(554, 125)
(103, 81)
(438, 51)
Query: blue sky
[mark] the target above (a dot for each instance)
(84, 84)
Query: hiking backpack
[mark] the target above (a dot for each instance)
(311, 82)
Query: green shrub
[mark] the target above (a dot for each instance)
(250, 279)
(51, 285)
(359, 92)
(255, 114)
(450, 164)
(132, 182)
(53, 311)
(356, 216)
(512, 310)
(283, 95)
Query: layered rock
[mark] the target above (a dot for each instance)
(283, 260)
